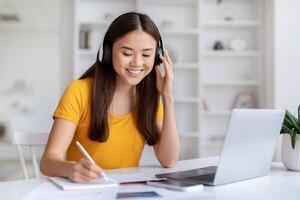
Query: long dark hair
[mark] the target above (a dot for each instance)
(104, 83)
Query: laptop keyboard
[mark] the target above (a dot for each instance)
(195, 174)
(207, 178)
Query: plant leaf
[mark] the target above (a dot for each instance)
(292, 120)
(291, 132)
(284, 129)
(288, 122)
(299, 114)
(293, 139)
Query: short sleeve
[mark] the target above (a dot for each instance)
(70, 106)
(160, 112)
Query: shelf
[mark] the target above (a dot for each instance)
(211, 143)
(220, 23)
(23, 26)
(231, 83)
(249, 53)
(96, 24)
(5, 142)
(188, 134)
(184, 31)
(87, 52)
(170, 2)
(217, 113)
(187, 100)
(185, 65)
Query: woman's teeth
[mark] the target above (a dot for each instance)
(134, 72)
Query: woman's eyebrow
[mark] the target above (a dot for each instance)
(148, 49)
(131, 49)
(128, 48)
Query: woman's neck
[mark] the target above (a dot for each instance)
(123, 88)
(124, 99)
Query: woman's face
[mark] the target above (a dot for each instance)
(133, 57)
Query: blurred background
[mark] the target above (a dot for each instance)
(226, 54)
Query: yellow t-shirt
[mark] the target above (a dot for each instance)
(125, 144)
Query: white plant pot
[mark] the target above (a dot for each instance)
(290, 156)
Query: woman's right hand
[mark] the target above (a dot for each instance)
(84, 171)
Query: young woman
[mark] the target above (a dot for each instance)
(115, 106)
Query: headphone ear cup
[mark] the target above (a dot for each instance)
(157, 59)
(106, 56)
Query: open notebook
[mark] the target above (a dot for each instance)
(65, 184)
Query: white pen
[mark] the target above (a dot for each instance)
(85, 153)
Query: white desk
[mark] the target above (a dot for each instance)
(279, 184)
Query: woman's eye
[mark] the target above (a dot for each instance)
(146, 55)
(127, 54)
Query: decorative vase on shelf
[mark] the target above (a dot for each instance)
(218, 45)
(238, 44)
(290, 156)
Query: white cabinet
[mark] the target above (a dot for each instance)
(208, 83)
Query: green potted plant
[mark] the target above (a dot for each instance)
(291, 141)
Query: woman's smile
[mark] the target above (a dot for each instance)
(135, 72)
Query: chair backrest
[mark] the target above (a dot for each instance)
(31, 140)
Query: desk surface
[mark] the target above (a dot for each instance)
(279, 184)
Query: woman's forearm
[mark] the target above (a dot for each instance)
(55, 167)
(168, 146)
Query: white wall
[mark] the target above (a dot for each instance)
(34, 58)
(287, 54)
(66, 43)
(286, 57)
(32, 55)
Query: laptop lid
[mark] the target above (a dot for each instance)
(249, 144)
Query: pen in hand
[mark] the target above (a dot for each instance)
(85, 153)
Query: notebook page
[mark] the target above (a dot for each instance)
(132, 177)
(65, 184)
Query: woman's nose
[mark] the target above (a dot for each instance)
(137, 61)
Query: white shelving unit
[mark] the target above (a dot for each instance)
(226, 53)
(207, 81)
(228, 73)
(236, 23)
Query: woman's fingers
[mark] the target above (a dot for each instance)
(91, 166)
(77, 175)
(167, 64)
(89, 173)
(158, 72)
(168, 57)
(84, 179)
(84, 171)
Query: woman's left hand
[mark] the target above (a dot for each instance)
(164, 84)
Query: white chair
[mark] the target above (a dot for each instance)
(31, 140)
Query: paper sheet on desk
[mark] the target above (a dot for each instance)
(66, 184)
(165, 193)
(132, 177)
(48, 191)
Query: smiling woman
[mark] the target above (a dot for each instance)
(115, 107)
(133, 57)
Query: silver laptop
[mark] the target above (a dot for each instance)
(247, 151)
